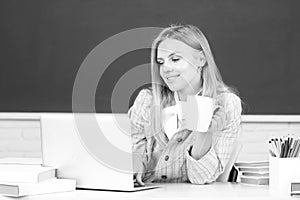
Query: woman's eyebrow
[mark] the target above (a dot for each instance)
(170, 55)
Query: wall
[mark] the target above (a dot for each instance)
(255, 137)
(20, 134)
(20, 138)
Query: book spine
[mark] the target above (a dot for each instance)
(46, 187)
(25, 177)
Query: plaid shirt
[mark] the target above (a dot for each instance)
(169, 160)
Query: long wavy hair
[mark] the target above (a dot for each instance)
(211, 80)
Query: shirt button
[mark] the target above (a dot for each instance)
(164, 177)
(166, 158)
(179, 139)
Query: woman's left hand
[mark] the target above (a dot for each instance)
(203, 140)
(218, 119)
(202, 144)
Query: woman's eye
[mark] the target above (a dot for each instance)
(175, 59)
(160, 62)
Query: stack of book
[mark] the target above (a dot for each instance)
(30, 179)
(255, 173)
(295, 189)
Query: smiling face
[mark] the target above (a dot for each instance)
(178, 64)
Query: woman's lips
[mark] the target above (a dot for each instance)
(172, 78)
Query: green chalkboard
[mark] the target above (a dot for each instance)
(256, 44)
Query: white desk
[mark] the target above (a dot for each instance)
(169, 191)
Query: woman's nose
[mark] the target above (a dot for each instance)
(167, 67)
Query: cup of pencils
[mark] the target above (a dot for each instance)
(284, 147)
(284, 164)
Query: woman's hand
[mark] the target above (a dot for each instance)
(138, 169)
(218, 119)
(203, 140)
(202, 144)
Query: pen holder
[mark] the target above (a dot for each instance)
(283, 171)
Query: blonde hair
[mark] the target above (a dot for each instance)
(212, 83)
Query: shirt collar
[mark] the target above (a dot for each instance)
(180, 104)
(177, 101)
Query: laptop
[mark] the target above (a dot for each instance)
(94, 149)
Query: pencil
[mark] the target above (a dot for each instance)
(297, 149)
(290, 147)
(293, 154)
(286, 147)
(272, 154)
(281, 147)
(271, 149)
(278, 145)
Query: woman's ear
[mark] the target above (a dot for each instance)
(201, 59)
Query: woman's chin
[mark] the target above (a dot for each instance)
(173, 88)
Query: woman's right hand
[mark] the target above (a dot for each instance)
(138, 170)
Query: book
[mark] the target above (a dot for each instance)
(21, 160)
(252, 164)
(253, 169)
(256, 174)
(255, 180)
(25, 173)
(49, 186)
(295, 188)
(253, 172)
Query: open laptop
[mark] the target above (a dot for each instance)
(94, 149)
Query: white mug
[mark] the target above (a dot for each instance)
(199, 111)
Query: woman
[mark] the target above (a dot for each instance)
(164, 149)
